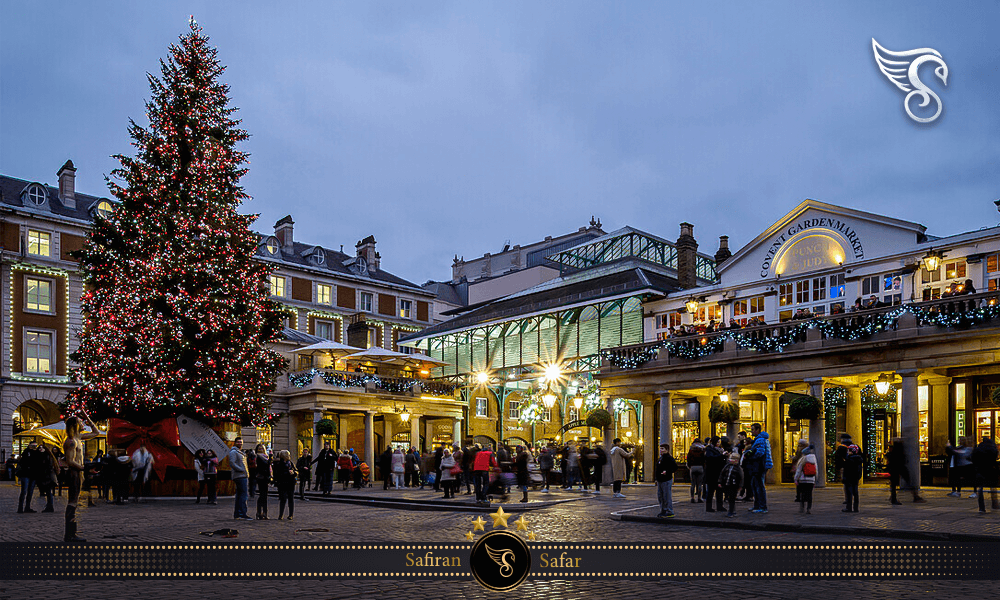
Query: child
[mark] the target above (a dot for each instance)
(852, 476)
(731, 480)
(666, 466)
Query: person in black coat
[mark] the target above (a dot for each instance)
(284, 480)
(984, 464)
(853, 468)
(666, 466)
(895, 460)
(304, 467)
(385, 466)
(714, 461)
(521, 470)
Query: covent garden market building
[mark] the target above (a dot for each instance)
(918, 359)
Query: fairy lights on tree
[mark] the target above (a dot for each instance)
(177, 313)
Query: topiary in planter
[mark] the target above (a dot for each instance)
(599, 418)
(326, 427)
(805, 407)
(724, 412)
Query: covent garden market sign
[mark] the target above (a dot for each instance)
(817, 249)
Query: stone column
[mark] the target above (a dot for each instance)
(414, 431)
(704, 425)
(666, 421)
(732, 428)
(428, 434)
(817, 432)
(609, 431)
(456, 432)
(938, 407)
(293, 436)
(649, 451)
(370, 442)
(776, 433)
(909, 424)
(387, 431)
(317, 440)
(854, 419)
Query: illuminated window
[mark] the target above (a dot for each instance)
(481, 407)
(104, 208)
(930, 276)
(546, 414)
(272, 245)
(277, 286)
(324, 329)
(836, 286)
(993, 263)
(38, 352)
(39, 243)
(38, 294)
(324, 293)
(932, 293)
(802, 291)
(709, 313)
(955, 270)
(572, 414)
(514, 409)
(786, 293)
(923, 396)
(372, 339)
(367, 301)
(405, 309)
(959, 410)
(264, 436)
(624, 419)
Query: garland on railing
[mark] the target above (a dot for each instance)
(335, 379)
(394, 386)
(438, 389)
(848, 327)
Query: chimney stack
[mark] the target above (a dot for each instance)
(723, 253)
(283, 231)
(687, 255)
(366, 250)
(67, 185)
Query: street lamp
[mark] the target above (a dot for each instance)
(724, 397)
(691, 305)
(933, 260)
(577, 402)
(548, 399)
(882, 383)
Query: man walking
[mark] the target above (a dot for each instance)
(485, 462)
(238, 464)
(73, 451)
(27, 472)
(666, 466)
(760, 461)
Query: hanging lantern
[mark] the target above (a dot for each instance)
(577, 402)
(882, 383)
(933, 260)
(404, 415)
(549, 399)
(691, 305)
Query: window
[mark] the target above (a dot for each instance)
(371, 338)
(38, 294)
(932, 293)
(709, 313)
(747, 308)
(785, 294)
(819, 289)
(955, 270)
(38, 352)
(272, 245)
(572, 414)
(623, 418)
(277, 286)
(802, 291)
(324, 329)
(836, 286)
(513, 409)
(405, 309)
(930, 276)
(324, 293)
(481, 407)
(39, 243)
(318, 257)
(36, 195)
(869, 286)
(305, 362)
(104, 208)
(367, 300)
(546, 414)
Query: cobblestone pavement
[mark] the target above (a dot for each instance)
(585, 520)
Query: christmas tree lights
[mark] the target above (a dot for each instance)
(177, 315)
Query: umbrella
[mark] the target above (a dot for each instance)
(377, 354)
(419, 360)
(54, 432)
(334, 349)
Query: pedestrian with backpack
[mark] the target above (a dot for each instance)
(805, 479)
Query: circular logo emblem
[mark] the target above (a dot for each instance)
(500, 561)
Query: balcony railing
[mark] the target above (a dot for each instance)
(345, 379)
(954, 312)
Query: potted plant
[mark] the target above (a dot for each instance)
(724, 412)
(599, 418)
(326, 427)
(805, 408)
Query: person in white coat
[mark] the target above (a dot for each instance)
(805, 479)
(142, 466)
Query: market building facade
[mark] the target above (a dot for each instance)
(916, 360)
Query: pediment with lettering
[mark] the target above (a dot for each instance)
(817, 237)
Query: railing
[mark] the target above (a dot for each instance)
(955, 312)
(345, 379)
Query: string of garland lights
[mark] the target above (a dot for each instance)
(833, 398)
(532, 409)
(57, 275)
(846, 328)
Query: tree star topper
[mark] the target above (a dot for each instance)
(500, 518)
(902, 69)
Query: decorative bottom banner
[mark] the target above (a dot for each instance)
(501, 561)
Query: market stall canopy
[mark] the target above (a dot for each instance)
(377, 354)
(55, 432)
(334, 349)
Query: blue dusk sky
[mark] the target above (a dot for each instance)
(447, 128)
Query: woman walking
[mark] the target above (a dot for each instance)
(731, 480)
(284, 481)
(447, 479)
(696, 468)
(805, 479)
(304, 467)
(398, 468)
(521, 470)
(262, 475)
(853, 467)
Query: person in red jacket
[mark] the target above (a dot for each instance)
(344, 467)
(484, 463)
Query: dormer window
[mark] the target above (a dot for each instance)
(36, 195)
(271, 245)
(318, 257)
(104, 208)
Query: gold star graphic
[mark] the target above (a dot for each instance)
(500, 518)
(479, 524)
(468, 536)
(531, 536)
(522, 524)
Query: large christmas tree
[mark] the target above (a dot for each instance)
(177, 312)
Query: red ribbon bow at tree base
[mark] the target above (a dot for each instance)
(156, 437)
